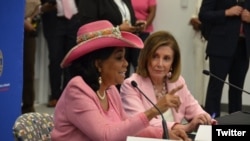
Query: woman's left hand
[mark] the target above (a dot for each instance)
(201, 119)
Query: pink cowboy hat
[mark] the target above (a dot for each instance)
(98, 35)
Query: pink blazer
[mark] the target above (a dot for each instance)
(79, 116)
(134, 102)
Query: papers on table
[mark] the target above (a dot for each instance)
(204, 133)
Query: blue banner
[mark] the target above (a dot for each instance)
(11, 70)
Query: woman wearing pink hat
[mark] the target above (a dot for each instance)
(90, 108)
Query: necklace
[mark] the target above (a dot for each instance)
(99, 95)
(162, 92)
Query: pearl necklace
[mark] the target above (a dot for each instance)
(161, 93)
(99, 95)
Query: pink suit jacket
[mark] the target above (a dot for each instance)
(134, 102)
(79, 117)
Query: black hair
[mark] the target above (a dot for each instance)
(86, 68)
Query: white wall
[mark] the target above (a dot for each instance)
(173, 17)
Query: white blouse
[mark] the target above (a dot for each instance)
(124, 10)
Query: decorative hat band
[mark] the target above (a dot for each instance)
(110, 32)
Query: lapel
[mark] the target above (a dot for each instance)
(145, 84)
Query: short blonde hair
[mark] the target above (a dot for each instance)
(151, 44)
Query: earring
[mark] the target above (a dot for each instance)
(169, 75)
(100, 80)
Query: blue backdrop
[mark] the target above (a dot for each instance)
(11, 56)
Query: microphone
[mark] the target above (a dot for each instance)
(206, 72)
(164, 124)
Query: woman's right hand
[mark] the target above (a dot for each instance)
(170, 100)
